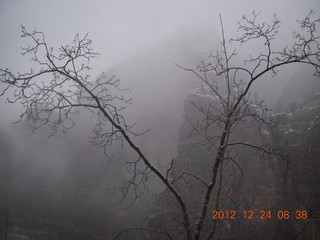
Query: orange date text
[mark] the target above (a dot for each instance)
(263, 215)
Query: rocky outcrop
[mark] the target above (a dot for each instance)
(285, 182)
(297, 129)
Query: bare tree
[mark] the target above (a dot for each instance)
(60, 87)
(232, 103)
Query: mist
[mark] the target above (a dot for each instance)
(65, 186)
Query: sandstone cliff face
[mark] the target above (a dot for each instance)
(268, 184)
(297, 127)
(248, 184)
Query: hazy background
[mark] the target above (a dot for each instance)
(64, 177)
(120, 29)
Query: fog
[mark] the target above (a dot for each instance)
(120, 29)
(141, 43)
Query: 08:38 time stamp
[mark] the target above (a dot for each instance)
(263, 215)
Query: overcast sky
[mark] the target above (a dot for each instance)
(120, 28)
